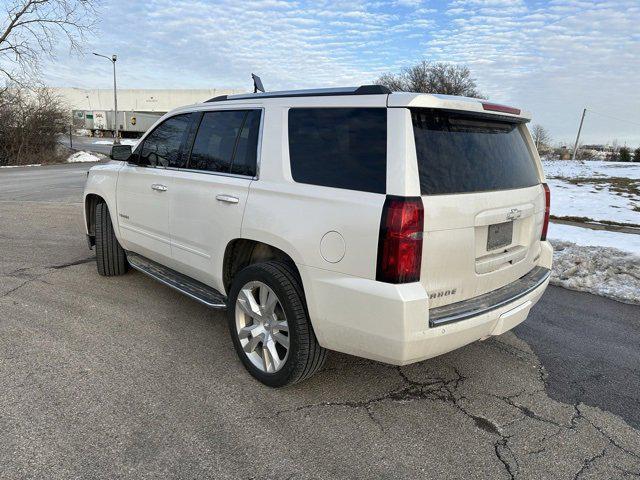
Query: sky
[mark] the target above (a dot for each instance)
(553, 57)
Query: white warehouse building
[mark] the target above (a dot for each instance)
(138, 109)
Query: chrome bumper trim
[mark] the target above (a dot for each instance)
(481, 304)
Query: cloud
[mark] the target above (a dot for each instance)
(551, 56)
(554, 59)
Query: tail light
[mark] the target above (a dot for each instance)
(547, 206)
(400, 242)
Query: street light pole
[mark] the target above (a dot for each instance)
(112, 59)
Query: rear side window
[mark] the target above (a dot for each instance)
(163, 146)
(215, 141)
(459, 153)
(244, 160)
(339, 147)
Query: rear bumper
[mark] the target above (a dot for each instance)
(509, 294)
(391, 324)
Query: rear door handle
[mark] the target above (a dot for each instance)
(159, 187)
(227, 198)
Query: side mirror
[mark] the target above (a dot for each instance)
(120, 152)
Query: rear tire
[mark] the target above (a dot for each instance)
(286, 325)
(111, 257)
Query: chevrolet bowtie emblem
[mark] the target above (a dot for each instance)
(514, 213)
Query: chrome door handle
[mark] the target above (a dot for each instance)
(227, 198)
(159, 188)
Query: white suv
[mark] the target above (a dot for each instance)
(392, 226)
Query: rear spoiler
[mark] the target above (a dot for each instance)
(466, 105)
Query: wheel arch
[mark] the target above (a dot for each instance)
(90, 202)
(242, 252)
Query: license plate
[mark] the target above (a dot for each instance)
(500, 235)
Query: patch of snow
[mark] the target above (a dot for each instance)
(85, 157)
(603, 271)
(628, 242)
(18, 166)
(125, 141)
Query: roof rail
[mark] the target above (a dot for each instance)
(318, 92)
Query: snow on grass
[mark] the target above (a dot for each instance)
(595, 190)
(604, 271)
(573, 169)
(85, 157)
(628, 242)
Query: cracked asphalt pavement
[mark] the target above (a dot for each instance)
(124, 378)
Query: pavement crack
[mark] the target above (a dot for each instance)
(71, 264)
(586, 465)
(611, 441)
(502, 449)
(528, 413)
(435, 389)
(22, 273)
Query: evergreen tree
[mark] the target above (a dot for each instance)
(636, 155)
(625, 154)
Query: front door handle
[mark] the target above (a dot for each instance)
(227, 198)
(159, 187)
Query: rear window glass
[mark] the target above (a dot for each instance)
(461, 154)
(339, 147)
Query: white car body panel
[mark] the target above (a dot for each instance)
(202, 225)
(332, 234)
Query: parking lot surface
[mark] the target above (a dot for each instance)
(123, 377)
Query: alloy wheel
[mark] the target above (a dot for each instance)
(261, 326)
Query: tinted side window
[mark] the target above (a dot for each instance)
(244, 161)
(162, 147)
(216, 141)
(339, 147)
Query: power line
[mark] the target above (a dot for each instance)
(611, 116)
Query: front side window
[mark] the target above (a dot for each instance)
(163, 146)
(339, 147)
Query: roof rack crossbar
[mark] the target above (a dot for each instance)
(320, 92)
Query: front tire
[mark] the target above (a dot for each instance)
(110, 256)
(270, 326)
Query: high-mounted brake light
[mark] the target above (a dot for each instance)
(547, 206)
(494, 107)
(400, 242)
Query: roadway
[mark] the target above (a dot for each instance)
(123, 377)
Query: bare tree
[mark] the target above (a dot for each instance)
(428, 77)
(30, 120)
(31, 29)
(541, 137)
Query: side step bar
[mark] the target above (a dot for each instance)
(190, 287)
(459, 311)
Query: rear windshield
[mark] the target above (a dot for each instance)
(460, 154)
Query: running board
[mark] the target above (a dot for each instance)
(190, 287)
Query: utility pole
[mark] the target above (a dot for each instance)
(575, 147)
(112, 59)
